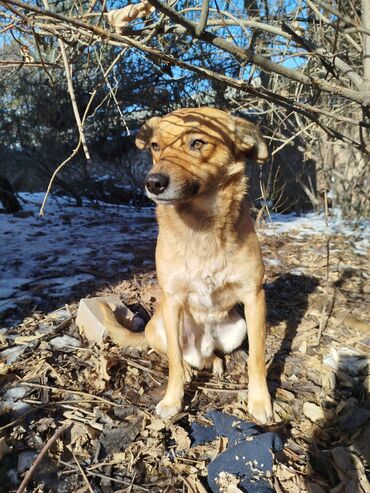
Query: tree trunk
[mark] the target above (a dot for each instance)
(7, 196)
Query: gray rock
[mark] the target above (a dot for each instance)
(11, 355)
(65, 343)
(313, 412)
(25, 460)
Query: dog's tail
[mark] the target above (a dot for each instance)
(119, 334)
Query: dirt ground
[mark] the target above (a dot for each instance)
(317, 352)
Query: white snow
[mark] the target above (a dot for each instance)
(272, 261)
(12, 400)
(47, 257)
(314, 223)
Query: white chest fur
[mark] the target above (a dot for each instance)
(206, 286)
(206, 294)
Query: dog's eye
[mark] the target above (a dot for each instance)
(197, 144)
(154, 146)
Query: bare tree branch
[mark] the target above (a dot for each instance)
(203, 18)
(303, 72)
(242, 54)
(342, 17)
(355, 78)
(246, 55)
(365, 7)
(71, 92)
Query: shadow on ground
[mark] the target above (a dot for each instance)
(342, 436)
(287, 301)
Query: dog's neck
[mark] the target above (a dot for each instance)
(218, 212)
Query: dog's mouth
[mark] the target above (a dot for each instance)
(175, 195)
(160, 200)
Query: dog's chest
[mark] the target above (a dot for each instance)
(204, 288)
(205, 276)
(210, 288)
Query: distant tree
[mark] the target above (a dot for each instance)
(301, 68)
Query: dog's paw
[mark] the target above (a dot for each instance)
(217, 367)
(167, 410)
(259, 406)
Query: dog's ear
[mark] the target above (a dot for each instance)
(249, 140)
(145, 134)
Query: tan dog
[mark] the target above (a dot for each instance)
(208, 257)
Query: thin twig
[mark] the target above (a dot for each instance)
(44, 65)
(365, 18)
(77, 392)
(56, 171)
(104, 476)
(203, 18)
(71, 91)
(342, 17)
(329, 299)
(82, 139)
(84, 117)
(82, 472)
(41, 455)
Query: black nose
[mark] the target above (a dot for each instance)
(157, 183)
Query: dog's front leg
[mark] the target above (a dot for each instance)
(173, 320)
(259, 401)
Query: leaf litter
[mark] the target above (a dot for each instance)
(51, 376)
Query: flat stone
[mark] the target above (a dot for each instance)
(65, 343)
(90, 318)
(313, 412)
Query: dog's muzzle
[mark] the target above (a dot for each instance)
(157, 183)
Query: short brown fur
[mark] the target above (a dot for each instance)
(208, 256)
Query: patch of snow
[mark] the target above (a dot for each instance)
(51, 256)
(17, 392)
(314, 223)
(9, 286)
(25, 460)
(12, 400)
(48, 257)
(65, 284)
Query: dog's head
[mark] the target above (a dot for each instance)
(196, 150)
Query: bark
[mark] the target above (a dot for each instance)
(365, 7)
